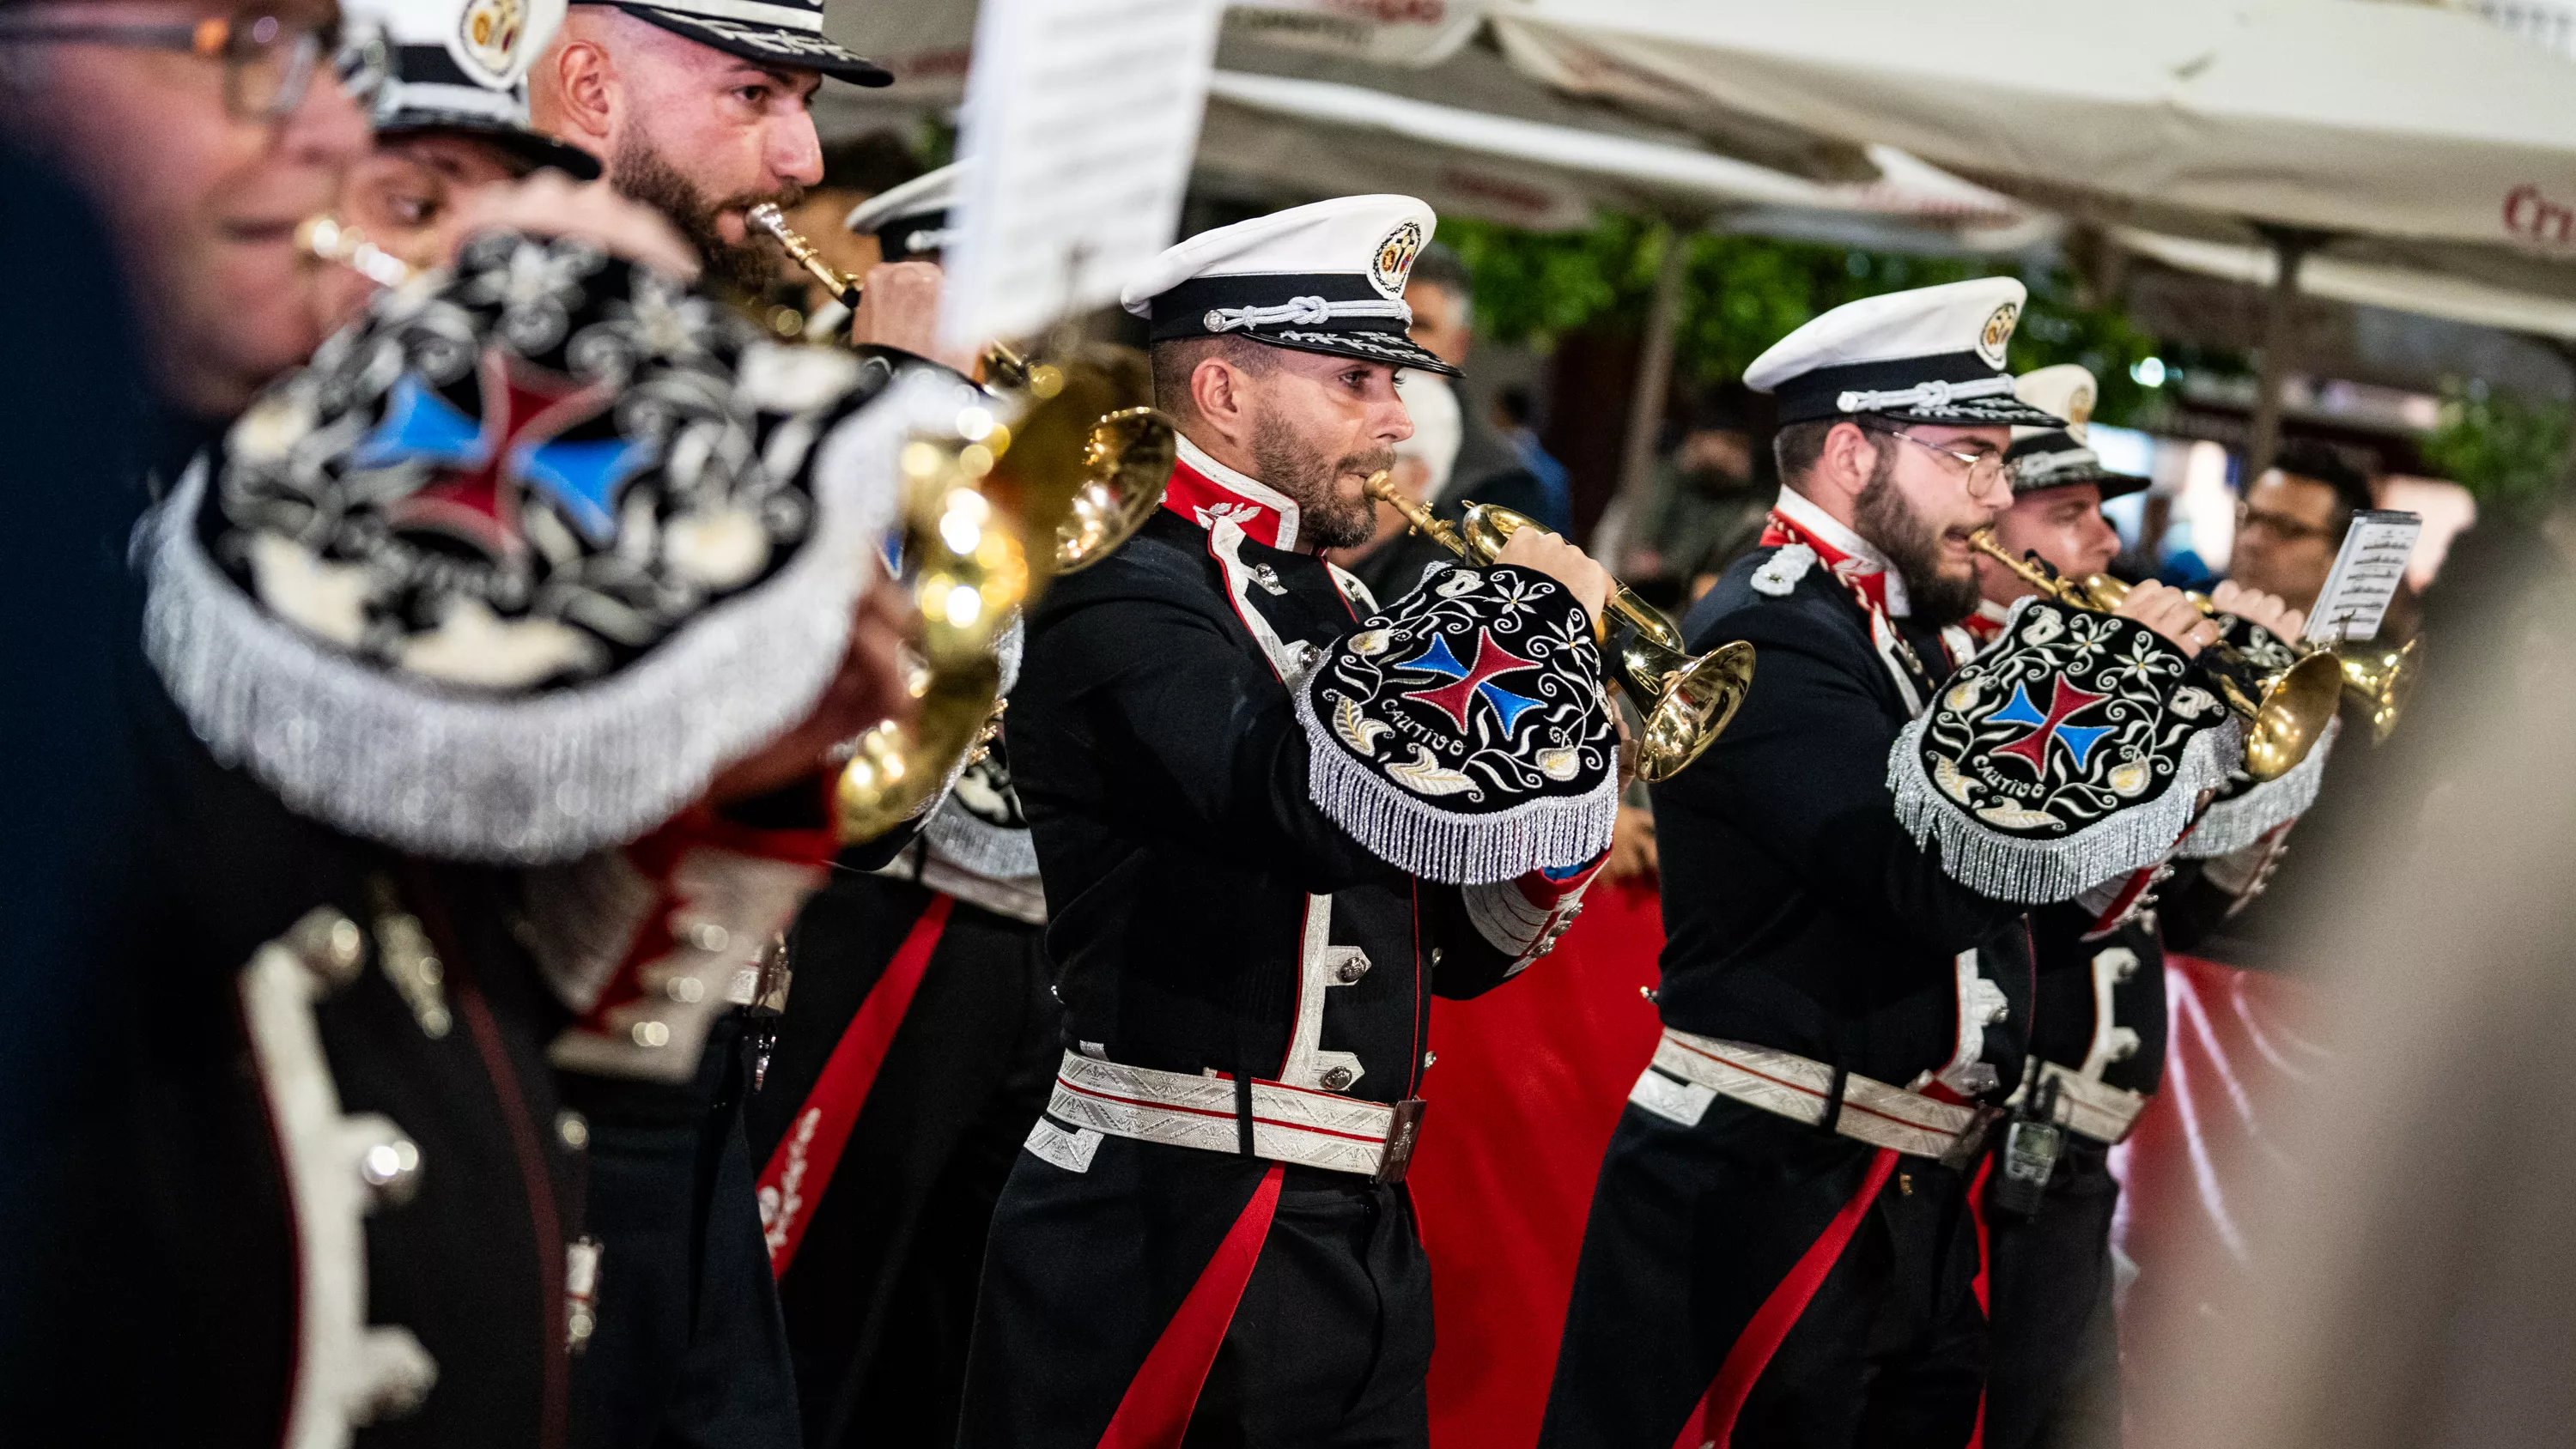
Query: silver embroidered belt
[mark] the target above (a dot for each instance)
(2090, 1108)
(1287, 1124)
(1801, 1090)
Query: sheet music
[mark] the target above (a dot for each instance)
(1082, 117)
(2365, 577)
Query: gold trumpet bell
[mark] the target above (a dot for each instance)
(988, 515)
(2290, 715)
(1686, 701)
(1126, 461)
(2380, 679)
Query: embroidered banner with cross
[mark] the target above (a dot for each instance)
(2071, 751)
(1463, 735)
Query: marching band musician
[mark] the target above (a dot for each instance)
(1273, 819)
(918, 1047)
(1781, 1249)
(2098, 1022)
(392, 697)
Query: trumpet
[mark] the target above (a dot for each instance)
(333, 240)
(840, 284)
(2286, 710)
(990, 513)
(1686, 700)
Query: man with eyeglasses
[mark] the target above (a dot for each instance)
(2292, 521)
(2098, 1021)
(1781, 1248)
(205, 134)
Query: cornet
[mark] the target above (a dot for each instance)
(840, 284)
(1686, 700)
(2286, 711)
(990, 513)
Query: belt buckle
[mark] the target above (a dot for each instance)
(1971, 1141)
(1402, 1132)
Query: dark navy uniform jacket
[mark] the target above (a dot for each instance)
(1798, 914)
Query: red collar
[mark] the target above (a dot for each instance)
(1854, 560)
(1987, 624)
(1206, 491)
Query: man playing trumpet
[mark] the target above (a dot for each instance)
(1273, 820)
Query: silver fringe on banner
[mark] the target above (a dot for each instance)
(2232, 823)
(1421, 839)
(966, 841)
(542, 777)
(2038, 872)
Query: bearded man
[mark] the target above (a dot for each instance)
(1272, 821)
(701, 109)
(1780, 1249)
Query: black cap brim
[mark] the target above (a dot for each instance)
(770, 45)
(535, 148)
(1387, 347)
(1977, 412)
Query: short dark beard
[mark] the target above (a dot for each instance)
(1284, 461)
(641, 173)
(1883, 515)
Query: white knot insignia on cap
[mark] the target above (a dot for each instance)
(1323, 278)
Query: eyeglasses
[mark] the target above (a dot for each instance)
(268, 59)
(1982, 468)
(2283, 527)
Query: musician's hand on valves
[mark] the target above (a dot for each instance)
(2255, 606)
(899, 307)
(550, 204)
(1536, 548)
(869, 687)
(2170, 612)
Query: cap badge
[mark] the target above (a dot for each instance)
(487, 40)
(2079, 406)
(1394, 261)
(1998, 331)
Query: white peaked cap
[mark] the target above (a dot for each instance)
(1328, 277)
(1929, 355)
(2066, 389)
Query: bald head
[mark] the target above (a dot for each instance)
(696, 132)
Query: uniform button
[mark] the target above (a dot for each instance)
(1428, 1058)
(329, 944)
(572, 1129)
(685, 989)
(391, 1169)
(1337, 1078)
(651, 1034)
(1353, 967)
(1435, 955)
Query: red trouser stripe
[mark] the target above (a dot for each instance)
(1714, 1420)
(800, 1167)
(1155, 1410)
(1985, 1270)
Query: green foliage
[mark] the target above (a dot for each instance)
(1744, 293)
(2510, 454)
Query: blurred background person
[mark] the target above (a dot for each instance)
(2292, 521)
(442, 135)
(1707, 508)
(1516, 418)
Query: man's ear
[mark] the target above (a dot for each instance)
(1850, 456)
(585, 92)
(1216, 393)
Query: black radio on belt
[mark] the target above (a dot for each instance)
(2028, 1156)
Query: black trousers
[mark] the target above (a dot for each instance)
(2055, 1382)
(689, 1349)
(1775, 1285)
(880, 1296)
(1106, 1291)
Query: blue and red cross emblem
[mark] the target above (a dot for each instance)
(2064, 702)
(1471, 682)
(518, 444)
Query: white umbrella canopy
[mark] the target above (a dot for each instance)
(1326, 136)
(2401, 288)
(2336, 115)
